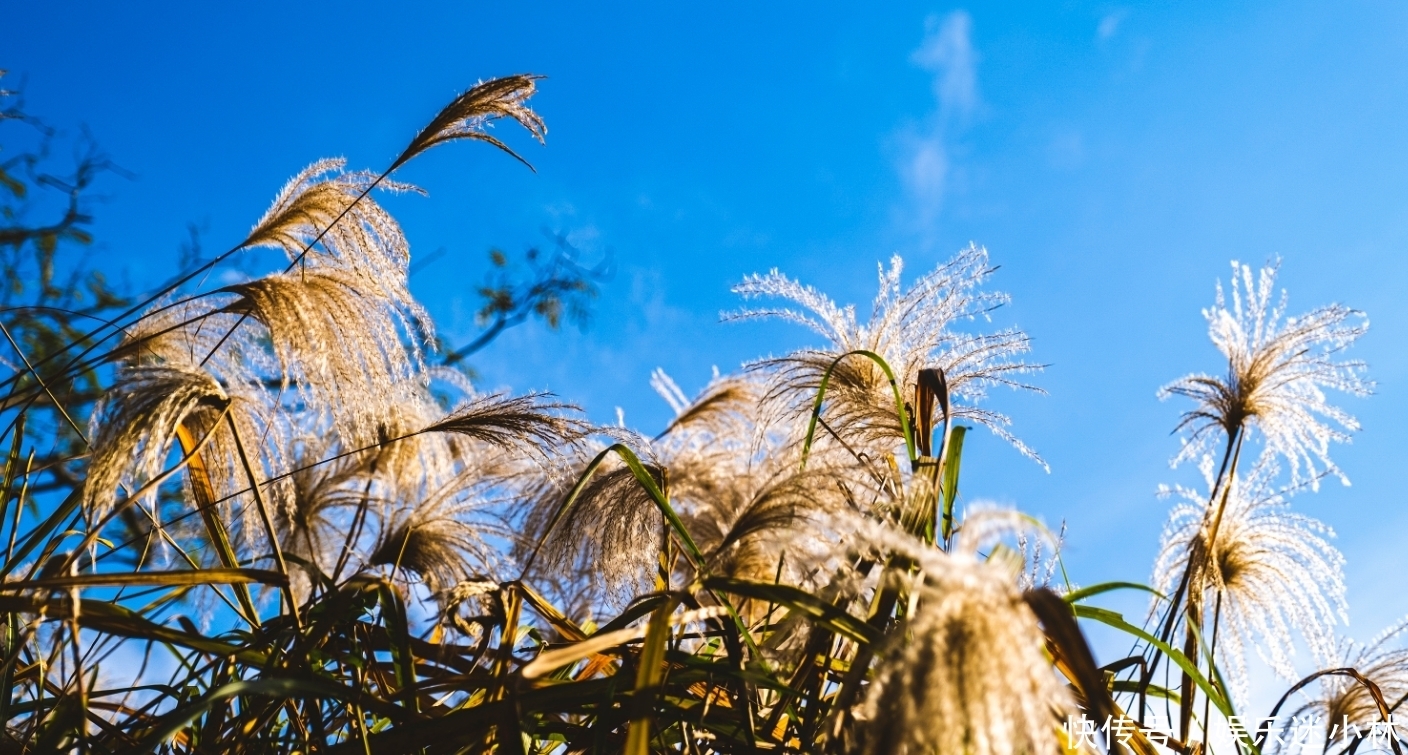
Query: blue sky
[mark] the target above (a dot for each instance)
(1112, 158)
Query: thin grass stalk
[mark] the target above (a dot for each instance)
(1194, 614)
(356, 530)
(57, 405)
(264, 517)
(12, 463)
(1190, 651)
(1212, 658)
(1116, 621)
(19, 511)
(80, 686)
(1229, 463)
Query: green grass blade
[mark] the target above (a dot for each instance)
(160, 578)
(818, 611)
(900, 411)
(1104, 587)
(953, 459)
(649, 674)
(1116, 621)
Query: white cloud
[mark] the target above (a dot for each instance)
(947, 52)
(926, 171)
(1110, 24)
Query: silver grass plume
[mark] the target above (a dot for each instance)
(407, 456)
(420, 445)
(353, 231)
(1383, 661)
(612, 533)
(529, 423)
(1274, 571)
(317, 516)
(135, 424)
(910, 329)
(342, 344)
(445, 538)
(738, 488)
(470, 114)
(175, 338)
(196, 333)
(1278, 368)
(966, 673)
(725, 406)
(754, 524)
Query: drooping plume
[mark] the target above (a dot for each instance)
(444, 538)
(342, 345)
(613, 530)
(1383, 661)
(352, 231)
(470, 114)
(740, 488)
(136, 422)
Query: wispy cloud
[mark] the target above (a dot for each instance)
(947, 52)
(1110, 24)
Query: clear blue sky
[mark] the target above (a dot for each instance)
(1113, 158)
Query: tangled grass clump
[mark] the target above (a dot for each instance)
(288, 530)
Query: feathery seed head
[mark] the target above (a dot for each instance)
(343, 345)
(445, 538)
(528, 423)
(966, 673)
(136, 422)
(471, 113)
(612, 531)
(911, 330)
(351, 230)
(1275, 572)
(1278, 368)
(1383, 661)
(737, 486)
(311, 517)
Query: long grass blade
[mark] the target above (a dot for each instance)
(649, 675)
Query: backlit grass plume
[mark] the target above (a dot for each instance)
(341, 344)
(965, 673)
(611, 530)
(910, 329)
(1270, 578)
(352, 231)
(327, 507)
(737, 480)
(136, 423)
(342, 549)
(1278, 369)
(1343, 698)
(528, 423)
(470, 114)
(444, 538)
